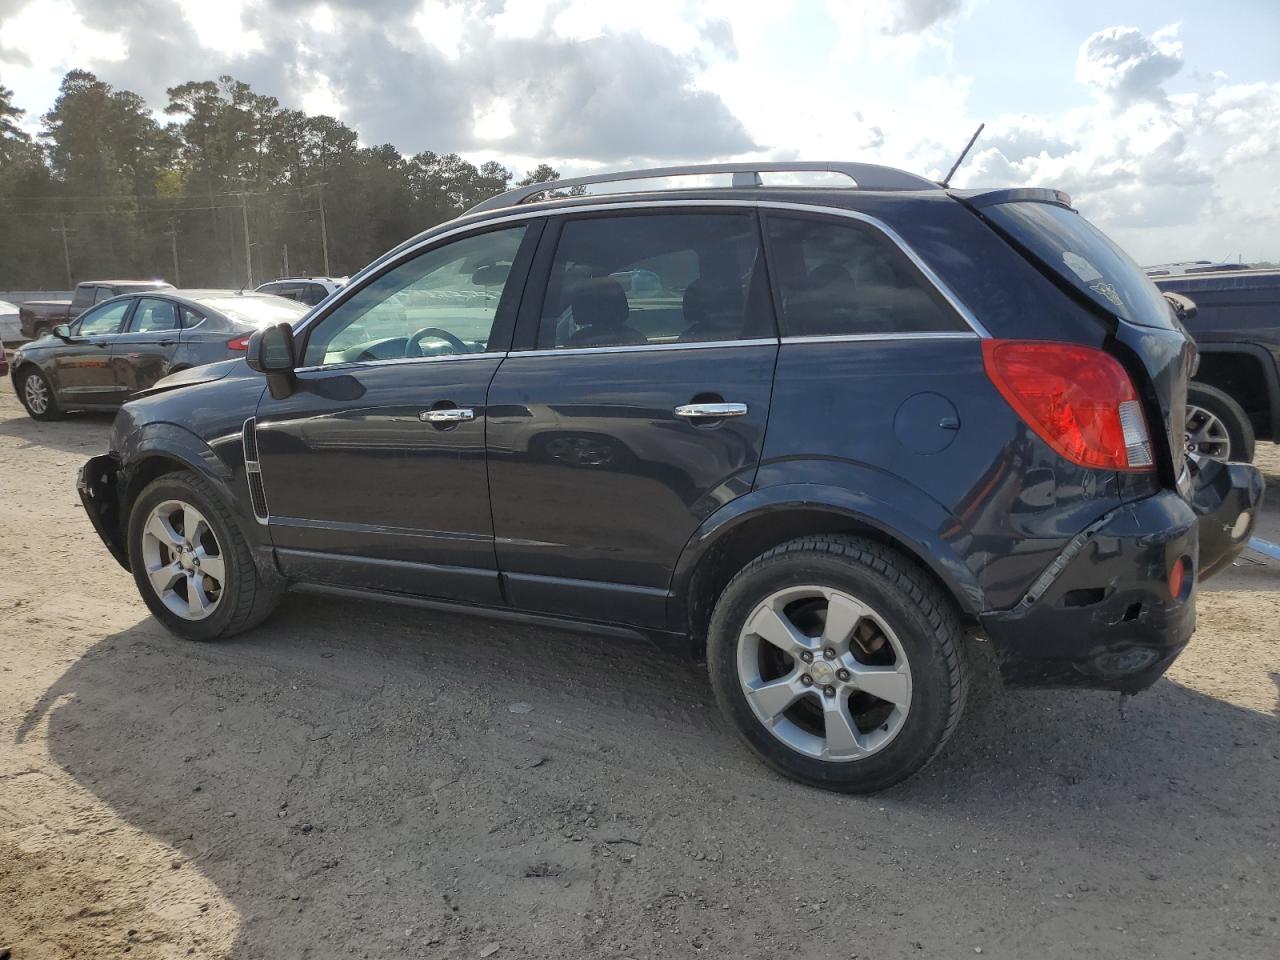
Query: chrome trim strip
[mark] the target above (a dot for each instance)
(469, 222)
(915, 335)
(642, 348)
(361, 364)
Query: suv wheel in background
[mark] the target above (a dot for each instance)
(192, 564)
(1217, 426)
(37, 395)
(839, 662)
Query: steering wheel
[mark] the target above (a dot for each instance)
(413, 346)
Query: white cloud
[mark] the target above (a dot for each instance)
(220, 26)
(441, 25)
(1128, 66)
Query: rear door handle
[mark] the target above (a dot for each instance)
(709, 410)
(447, 415)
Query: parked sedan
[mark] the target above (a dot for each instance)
(126, 344)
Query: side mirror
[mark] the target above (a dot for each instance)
(63, 332)
(271, 351)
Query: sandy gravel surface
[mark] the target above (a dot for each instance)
(353, 780)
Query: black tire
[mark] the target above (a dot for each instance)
(52, 411)
(1230, 414)
(245, 601)
(923, 618)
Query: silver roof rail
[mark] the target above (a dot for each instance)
(865, 176)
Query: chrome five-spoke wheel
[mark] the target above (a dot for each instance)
(1206, 435)
(824, 673)
(183, 560)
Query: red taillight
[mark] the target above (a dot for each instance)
(1078, 399)
(239, 343)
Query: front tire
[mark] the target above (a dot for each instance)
(37, 395)
(1217, 426)
(191, 563)
(839, 662)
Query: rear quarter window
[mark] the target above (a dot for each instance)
(843, 278)
(1086, 258)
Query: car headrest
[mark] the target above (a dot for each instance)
(600, 302)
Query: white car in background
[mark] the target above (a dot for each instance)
(9, 329)
(308, 290)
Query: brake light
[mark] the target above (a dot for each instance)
(239, 343)
(1078, 399)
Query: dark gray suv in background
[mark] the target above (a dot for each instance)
(824, 437)
(126, 344)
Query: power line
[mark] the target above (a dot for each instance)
(183, 196)
(54, 214)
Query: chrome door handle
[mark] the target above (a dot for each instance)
(710, 410)
(447, 415)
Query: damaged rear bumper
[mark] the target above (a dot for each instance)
(97, 484)
(1109, 612)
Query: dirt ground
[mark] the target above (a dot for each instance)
(355, 780)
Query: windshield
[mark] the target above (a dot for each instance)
(1084, 256)
(258, 311)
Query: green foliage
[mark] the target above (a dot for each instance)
(127, 189)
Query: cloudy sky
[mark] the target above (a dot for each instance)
(1161, 117)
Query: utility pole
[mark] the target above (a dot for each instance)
(324, 231)
(66, 251)
(173, 240)
(248, 263)
(285, 251)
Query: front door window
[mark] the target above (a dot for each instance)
(441, 303)
(104, 320)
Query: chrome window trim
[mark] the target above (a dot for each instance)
(349, 364)
(907, 335)
(483, 222)
(644, 347)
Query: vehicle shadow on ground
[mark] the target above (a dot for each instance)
(76, 433)
(350, 775)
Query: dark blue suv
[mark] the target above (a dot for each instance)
(827, 437)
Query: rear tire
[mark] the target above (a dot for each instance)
(191, 562)
(1216, 425)
(869, 620)
(37, 395)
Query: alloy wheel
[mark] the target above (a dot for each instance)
(36, 394)
(183, 560)
(824, 673)
(1206, 435)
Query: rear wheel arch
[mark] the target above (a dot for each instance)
(741, 541)
(1247, 376)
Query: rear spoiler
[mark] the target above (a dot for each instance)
(986, 198)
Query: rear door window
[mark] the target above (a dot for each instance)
(846, 278)
(635, 280)
(1086, 258)
(152, 314)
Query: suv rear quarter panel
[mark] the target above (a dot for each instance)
(859, 414)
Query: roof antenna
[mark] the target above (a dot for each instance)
(946, 181)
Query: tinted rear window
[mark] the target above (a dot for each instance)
(841, 278)
(259, 311)
(1086, 258)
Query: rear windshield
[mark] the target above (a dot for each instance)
(1083, 256)
(258, 311)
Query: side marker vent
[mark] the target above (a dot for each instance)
(253, 471)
